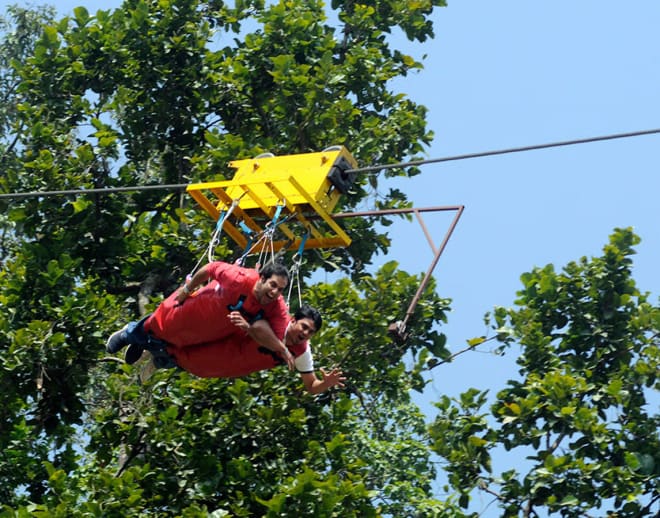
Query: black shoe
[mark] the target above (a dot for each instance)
(133, 354)
(117, 341)
(164, 361)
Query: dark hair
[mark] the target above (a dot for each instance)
(307, 311)
(272, 268)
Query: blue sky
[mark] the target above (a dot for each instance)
(516, 73)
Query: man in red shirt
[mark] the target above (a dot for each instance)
(239, 355)
(189, 317)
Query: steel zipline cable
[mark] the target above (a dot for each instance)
(104, 190)
(368, 169)
(505, 151)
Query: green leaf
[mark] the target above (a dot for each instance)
(80, 204)
(81, 15)
(569, 500)
(473, 342)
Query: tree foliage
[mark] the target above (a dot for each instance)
(169, 92)
(580, 412)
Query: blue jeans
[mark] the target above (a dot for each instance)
(135, 334)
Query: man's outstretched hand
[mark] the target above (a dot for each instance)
(332, 378)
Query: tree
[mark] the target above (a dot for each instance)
(20, 28)
(579, 413)
(169, 92)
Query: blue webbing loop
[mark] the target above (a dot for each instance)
(250, 240)
(278, 210)
(221, 221)
(247, 230)
(301, 248)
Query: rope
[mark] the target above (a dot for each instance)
(265, 238)
(104, 190)
(295, 271)
(373, 168)
(215, 238)
(574, 142)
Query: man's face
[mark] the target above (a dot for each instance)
(267, 290)
(300, 331)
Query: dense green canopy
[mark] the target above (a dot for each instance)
(168, 93)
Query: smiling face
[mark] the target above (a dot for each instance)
(267, 290)
(300, 331)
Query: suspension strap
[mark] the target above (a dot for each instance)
(265, 238)
(215, 237)
(250, 240)
(296, 262)
(278, 210)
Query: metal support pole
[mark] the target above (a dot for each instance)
(398, 329)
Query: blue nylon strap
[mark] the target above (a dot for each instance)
(250, 240)
(238, 306)
(221, 220)
(278, 210)
(247, 230)
(301, 248)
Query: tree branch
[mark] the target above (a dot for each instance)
(366, 408)
(125, 460)
(468, 348)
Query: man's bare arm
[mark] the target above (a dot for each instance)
(201, 276)
(314, 385)
(261, 332)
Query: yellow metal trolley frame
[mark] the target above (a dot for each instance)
(303, 186)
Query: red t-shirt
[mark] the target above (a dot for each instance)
(203, 317)
(231, 357)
